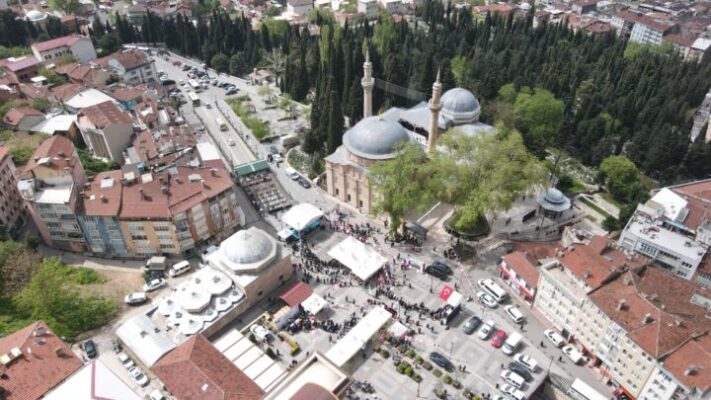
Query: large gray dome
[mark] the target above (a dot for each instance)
(553, 199)
(374, 138)
(460, 106)
(248, 246)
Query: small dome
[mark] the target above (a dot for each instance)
(248, 247)
(553, 200)
(374, 138)
(525, 6)
(35, 15)
(460, 106)
(554, 196)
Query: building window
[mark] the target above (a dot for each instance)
(349, 197)
(337, 192)
(259, 294)
(360, 203)
(281, 277)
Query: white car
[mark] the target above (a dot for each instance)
(573, 354)
(181, 82)
(126, 360)
(261, 333)
(156, 395)
(512, 392)
(486, 299)
(527, 361)
(513, 378)
(486, 330)
(135, 298)
(154, 285)
(515, 314)
(138, 376)
(231, 142)
(556, 338)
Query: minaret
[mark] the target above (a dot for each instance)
(434, 106)
(367, 82)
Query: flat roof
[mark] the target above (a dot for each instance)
(357, 337)
(666, 239)
(361, 259)
(207, 151)
(93, 381)
(50, 195)
(318, 370)
(251, 167)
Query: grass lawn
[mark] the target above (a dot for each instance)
(259, 128)
(298, 160)
(593, 206)
(608, 197)
(22, 144)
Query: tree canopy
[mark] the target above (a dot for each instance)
(621, 177)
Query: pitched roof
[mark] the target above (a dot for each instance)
(128, 59)
(126, 94)
(57, 149)
(197, 370)
(22, 63)
(296, 293)
(33, 92)
(525, 266)
(45, 362)
(15, 115)
(58, 42)
(691, 363)
(105, 114)
(67, 90)
(656, 310)
(102, 194)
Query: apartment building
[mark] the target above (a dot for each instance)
(106, 130)
(520, 270)
(11, 205)
(50, 185)
(579, 269)
(647, 30)
(133, 66)
(673, 228)
(635, 325)
(79, 47)
(369, 8)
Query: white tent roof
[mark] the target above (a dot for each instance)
(145, 339)
(88, 98)
(57, 123)
(362, 260)
(349, 345)
(300, 216)
(455, 299)
(314, 303)
(93, 381)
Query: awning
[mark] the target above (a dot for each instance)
(451, 296)
(251, 167)
(296, 293)
(314, 304)
(362, 260)
(359, 336)
(302, 216)
(398, 329)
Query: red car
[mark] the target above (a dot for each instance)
(176, 63)
(498, 339)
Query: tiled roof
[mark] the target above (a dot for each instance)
(82, 72)
(67, 91)
(493, 8)
(58, 42)
(129, 59)
(33, 374)
(679, 40)
(598, 261)
(196, 370)
(15, 115)
(144, 145)
(296, 293)
(125, 94)
(656, 310)
(105, 114)
(691, 363)
(698, 197)
(524, 265)
(57, 148)
(33, 92)
(22, 63)
(102, 194)
(180, 193)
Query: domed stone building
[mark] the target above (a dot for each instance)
(374, 139)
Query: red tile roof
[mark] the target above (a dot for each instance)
(312, 391)
(45, 362)
(58, 42)
(58, 148)
(33, 92)
(129, 59)
(22, 63)
(598, 261)
(691, 363)
(105, 114)
(524, 265)
(3, 152)
(494, 9)
(126, 94)
(656, 310)
(15, 115)
(196, 370)
(296, 293)
(102, 194)
(67, 91)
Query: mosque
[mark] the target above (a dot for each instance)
(374, 138)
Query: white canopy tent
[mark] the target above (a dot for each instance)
(359, 336)
(362, 260)
(301, 216)
(314, 304)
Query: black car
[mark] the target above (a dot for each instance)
(273, 150)
(520, 369)
(442, 267)
(89, 348)
(442, 361)
(186, 67)
(471, 325)
(304, 182)
(436, 272)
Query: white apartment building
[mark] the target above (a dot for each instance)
(369, 8)
(649, 31)
(133, 66)
(391, 6)
(299, 7)
(11, 205)
(77, 46)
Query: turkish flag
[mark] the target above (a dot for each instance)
(446, 292)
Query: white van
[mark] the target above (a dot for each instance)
(492, 288)
(291, 173)
(512, 343)
(179, 268)
(513, 378)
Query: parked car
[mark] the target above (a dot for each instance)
(186, 67)
(527, 361)
(154, 285)
(156, 395)
(138, 376)
(208, 106)
(513, 378)
(515, 314)
(512, 393)
(126, 360)
(486, 330)
(573, 354)
(486, 299)
(556, 338)
(499, 338)
(230, 92)
(304, 182)
(231, 142)
(209, 250)
(444, 267)
(178, 268)
(261, 333)
(89, 348)
(135, 298)
(520, 369)
(435, 272)
(441, 361)
(177, 63)
(471, 325)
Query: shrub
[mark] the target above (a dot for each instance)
(419, 359)
(456, 384)
(416, 377)
(447, 379)
(441, 393)
(403, 348)
(252, 338)
(409, 371)
(437, 372)
(466, 393)
(410, 354)
(427, 365)
(384, 353)
(270, 353)
(401, 368)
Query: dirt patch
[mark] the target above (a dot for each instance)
(118, 284)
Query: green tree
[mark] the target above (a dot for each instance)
(621, 177)
(52, 76)
(66, 6)
(610, 224)
(239, 64)
(42, 104)
(109, 43)
(539, 117)
(220, 62)
(93, 165)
